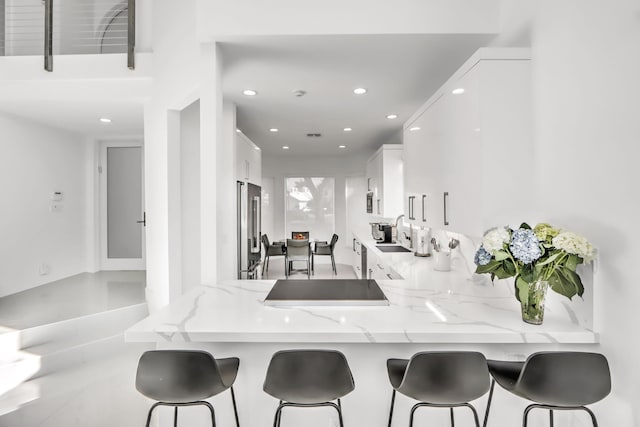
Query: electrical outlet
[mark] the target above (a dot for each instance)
(44, 269)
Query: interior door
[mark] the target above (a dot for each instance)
(123, 219)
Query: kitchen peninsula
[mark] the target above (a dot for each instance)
(451, 311)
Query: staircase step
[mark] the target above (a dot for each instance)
(89, 327)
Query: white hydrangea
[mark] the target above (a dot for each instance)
(494, 239)
(574, 244)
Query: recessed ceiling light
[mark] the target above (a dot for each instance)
(457, 91)
(285, 147)
(392, 116)
(249, 92)
(238, 130)
(105, 120)
(347, 129)
(415, 128)
(273, 130)
(360, 91)
(342, 146)
(257, 148)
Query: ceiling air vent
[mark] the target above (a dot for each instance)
(314, 135)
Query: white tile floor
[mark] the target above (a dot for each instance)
(321, 270)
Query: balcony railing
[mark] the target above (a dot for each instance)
(67, 27)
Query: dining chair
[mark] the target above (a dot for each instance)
(300, 235)
(324, 248)
(297, 250)
(271, 250)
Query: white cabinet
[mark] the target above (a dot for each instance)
(248, 160)
(385, 180)
(468, 157)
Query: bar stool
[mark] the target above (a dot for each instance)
(555, 380)
(439, 380)
(185, 378)
(308, 378)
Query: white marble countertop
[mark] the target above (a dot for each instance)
(436, 307)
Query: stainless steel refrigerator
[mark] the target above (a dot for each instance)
(249, 205)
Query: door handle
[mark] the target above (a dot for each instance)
(424, 218)
(144, 219)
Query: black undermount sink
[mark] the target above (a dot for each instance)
(393, 248)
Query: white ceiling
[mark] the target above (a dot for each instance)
(77, 106)
(399, 71)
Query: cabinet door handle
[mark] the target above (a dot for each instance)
(380, 267)
(370, 272)
(446, 198)
(378, 201)
(389, 276)
(411, 199)
(354, 245)
(424, 198)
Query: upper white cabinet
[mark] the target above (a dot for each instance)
(385, 180)
(248, 160)
(468, 150)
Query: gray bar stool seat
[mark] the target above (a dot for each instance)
(308, 378)
(185, 378)
(554, 380)
(439, 379)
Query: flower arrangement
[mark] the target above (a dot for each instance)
(544, 253)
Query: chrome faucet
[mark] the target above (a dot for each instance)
(398, 219)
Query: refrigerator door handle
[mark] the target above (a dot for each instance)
(255, 226)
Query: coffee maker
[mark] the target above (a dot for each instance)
(386, 232)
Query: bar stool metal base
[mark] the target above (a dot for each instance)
(282, 405)
(175, 413)
(552, 408)
(437, 405)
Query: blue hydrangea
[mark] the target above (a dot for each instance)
(525, 246)
(482, 257)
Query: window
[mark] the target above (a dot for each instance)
(309, 206)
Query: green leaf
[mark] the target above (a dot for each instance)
(501, 255)
(501, 273)
(525, 226)
(574, 279)
(566, 282)
(522, 290)
(488, 268)
(572, 262)
(509, 267)
(549, 260)
(528, 273)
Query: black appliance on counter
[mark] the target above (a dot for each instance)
(385, 233)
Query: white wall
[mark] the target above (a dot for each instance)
(36, 161)
(279, 167)
(190, 195)
(586, 64)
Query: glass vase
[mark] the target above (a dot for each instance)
(533, 309)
